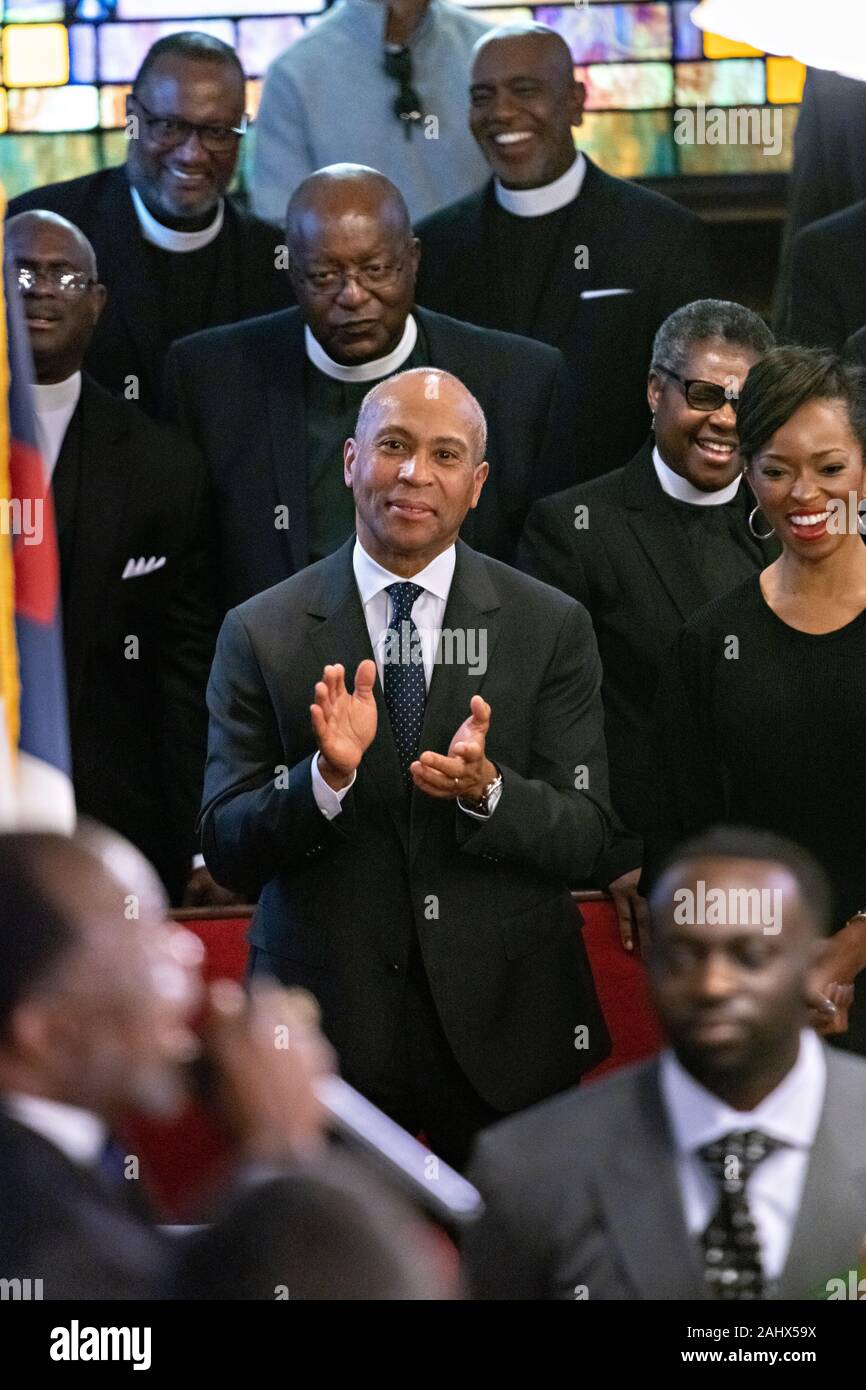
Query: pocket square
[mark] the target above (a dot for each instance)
(133, 569)
(602, 294)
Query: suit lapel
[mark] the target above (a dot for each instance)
(135, 295)
(472, 608)
(287, 430)
(104, 487)
(658, 533)
(342, 636)
(661, 1259)
(835, 1188)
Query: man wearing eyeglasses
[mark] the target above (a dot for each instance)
(176, 253)
(378, 82)
(270, 402)
(135, 538)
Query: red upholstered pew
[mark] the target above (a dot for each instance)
(183, 1159)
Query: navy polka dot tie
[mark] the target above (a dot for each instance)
(732, 1251)
(404, 684)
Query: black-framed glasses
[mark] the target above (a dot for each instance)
(377, 275)
(71, 283)
(171, 131)
(407, 103)
(703, 395)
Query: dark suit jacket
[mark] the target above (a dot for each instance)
(63, 1224)
(126, 341)
(636, 240)
(583, 1191)
(827, 298)
(239, 393)
(344, 898)
(631, 567)
(127, 489)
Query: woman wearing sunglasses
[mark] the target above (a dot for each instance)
(760, 708)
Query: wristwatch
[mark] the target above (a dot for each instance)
(482, 806)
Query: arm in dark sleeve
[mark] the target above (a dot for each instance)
(556, 463)
(688, 772)
(548, 550)
(814, 317)
(690, 271)
(545, 822)
(259, 817)
(189, 634)
(175, 403)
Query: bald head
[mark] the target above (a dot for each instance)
(352, 261)
(426, 384)
(525, 103)
(23, 230)
(341, 190)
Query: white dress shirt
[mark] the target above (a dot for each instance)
(537, 202)
(169, 238)
(791, 1113)
(363, 371)
(428, 613)
(53, 407)
(80, 1135)
(675, 485)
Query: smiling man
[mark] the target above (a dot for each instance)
(176, 253)
(271, 402)
(416, 841)
(730, 1167)
(554, 248)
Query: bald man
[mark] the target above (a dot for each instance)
(271, 401)
(176, 251)
(406, 757)
(555, 249)
(137, 567)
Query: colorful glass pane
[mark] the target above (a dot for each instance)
(35, 55)
(734, 82)
(262, 40)
(608, 33)
(123, 46)
(627, 86)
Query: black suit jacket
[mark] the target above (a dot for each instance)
(631, 566)
(239, 393)
(65, 1225)
(827, 297)
(636, 240)
(582, 1194)
(487, 901)
(126, 341)
(138, 649)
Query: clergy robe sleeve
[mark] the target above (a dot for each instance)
(689, 776)
(259, 816)
(548, 549)
(557, 820)
(189, 633)
(283, 154)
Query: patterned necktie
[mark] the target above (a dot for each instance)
(732, 1251)
(404, 684)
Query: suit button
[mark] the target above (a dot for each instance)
(394, 967)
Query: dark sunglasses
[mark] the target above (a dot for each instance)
(407, 103)
(703, 395)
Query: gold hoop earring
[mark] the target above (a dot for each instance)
(757, 534)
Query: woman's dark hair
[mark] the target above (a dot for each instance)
(786, 379)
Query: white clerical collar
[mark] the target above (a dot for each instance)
(76, 1132)
(684, 491)
(791, 1113)
(535, 202)
(168, 238)
(363, 371)
(52, 396)
(371, 577)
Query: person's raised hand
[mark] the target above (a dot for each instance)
(465, 770)
(344, 724)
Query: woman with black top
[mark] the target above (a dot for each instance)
(760, 716)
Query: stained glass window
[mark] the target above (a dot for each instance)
(66, 69)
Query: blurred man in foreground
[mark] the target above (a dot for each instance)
(729, 1167)
(96, 1004)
